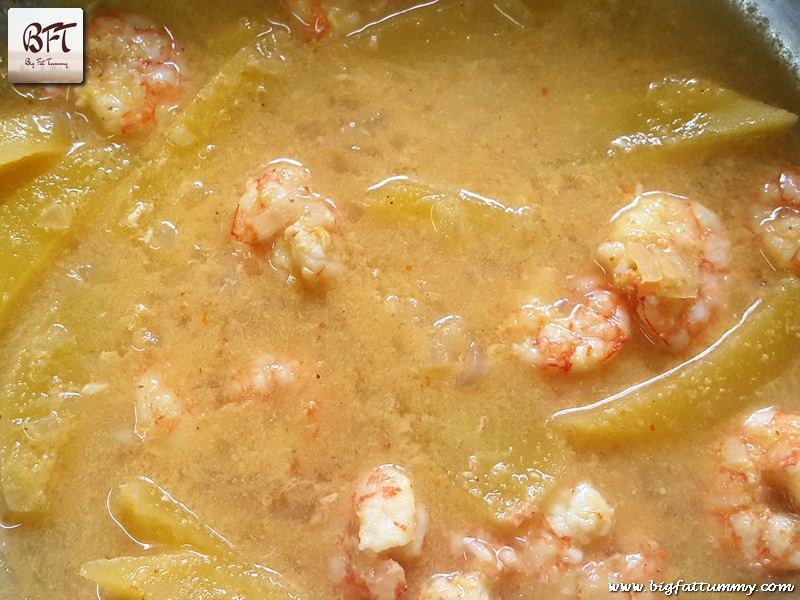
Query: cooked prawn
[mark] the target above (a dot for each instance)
(308, 249)
(281, 213)
(313, 15)
(637, 567)
(133, 75)
(580, 514)
(271, 203)
(156, 406)
(262, 379)
(757, 490)
(386, 510)
(389, 526)
(375, 578)
(670, 256)
(778, 220)
(576, 333)
(325, 19)
(551, 554)
(455, 586)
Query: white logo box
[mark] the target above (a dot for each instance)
(45, 45)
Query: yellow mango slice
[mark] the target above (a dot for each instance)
(187, 576)
(35, 218)
(207, 566)
(713, 384)
(504, 462)
(452, 214)
(28, 462)
(246, 69)
(36, 394)
(692, 112)
(508, 483)
(152, 516)
(505, 459)
(29, 137)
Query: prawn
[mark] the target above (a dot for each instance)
(389, 526)
(156, 407)
(778, 220)
(455, 586)
(551, 554)
(580, 514)
(261, 379)
(386, 510)
(670, 256)
(159, 408)
(279, 212)
(575, 333)
(324, 19)
(641, 567)
(271, 203)
(757, 490)
(313, 15)
(133, 74)
(308, 249)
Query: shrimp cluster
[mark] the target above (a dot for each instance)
(757, 490)
(159, 409)
(279, 212)
(670, 256)
(576, 333)
(552, 554)
(778, 220)
(133, 77)
(389, 528)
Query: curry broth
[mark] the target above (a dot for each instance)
(454, 94)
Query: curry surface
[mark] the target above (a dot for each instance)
(454, 94)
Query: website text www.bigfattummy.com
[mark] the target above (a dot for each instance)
(673, 588)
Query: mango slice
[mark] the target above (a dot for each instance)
(505, 459)
(508, 484)
(196, 562)
(27, 463)
(29, 137)
(150, 515)
(185, 575)
(37, 399)
(709, 386)
(207, 115)
(35, 218)
(693, 112)
(453, 214)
